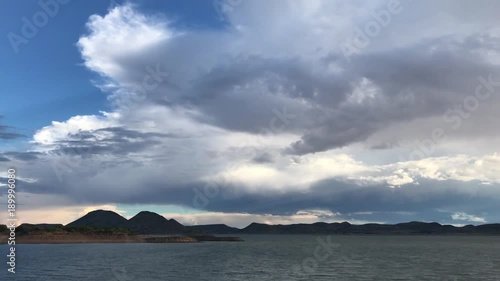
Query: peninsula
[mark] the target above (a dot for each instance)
(103, 226)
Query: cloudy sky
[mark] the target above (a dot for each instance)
(234, 111)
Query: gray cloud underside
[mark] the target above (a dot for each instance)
(119, 142)
(422, 201)
(7, 134)
(19, 155)
(416, 81)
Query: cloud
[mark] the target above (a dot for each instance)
(435, 184)
(264, 157)
(120, 32)
(237, 87)
(111, 140)
(24, 156)
(51, 209)
(7, 134)
(242, 220)
(466, 217)
(60, 131)
(269, 110)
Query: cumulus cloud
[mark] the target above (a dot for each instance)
(235, 83)
(61, 131)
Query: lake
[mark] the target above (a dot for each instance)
(266, 257)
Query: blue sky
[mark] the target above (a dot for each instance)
(234, 111)
(45, 81)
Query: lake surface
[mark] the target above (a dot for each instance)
(263, 257)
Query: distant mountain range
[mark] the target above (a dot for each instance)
(151, 223)
(410, 228)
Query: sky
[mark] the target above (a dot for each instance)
(238, 111)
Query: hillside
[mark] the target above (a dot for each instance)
(102, 219)
(214, 228)
(410, 228)
(153, 223)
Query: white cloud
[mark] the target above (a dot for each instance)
(119, 33)
(291, 172)
(459, 167)
(60, 131)
(465, 217)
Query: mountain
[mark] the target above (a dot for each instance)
(409, 228)
(320, 227)
(488, 228)
(261, 228)
(102, 219)
(214, 228)
(153, 223)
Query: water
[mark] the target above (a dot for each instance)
(263, 257)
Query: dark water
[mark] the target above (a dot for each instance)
(266, 258)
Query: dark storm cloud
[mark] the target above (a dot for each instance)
(246, 92)
(345, 197)
(28, 187)
(425, 201)
(429, 200)
(416, 82)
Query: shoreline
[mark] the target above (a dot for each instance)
(177, 239)
(110, 238)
